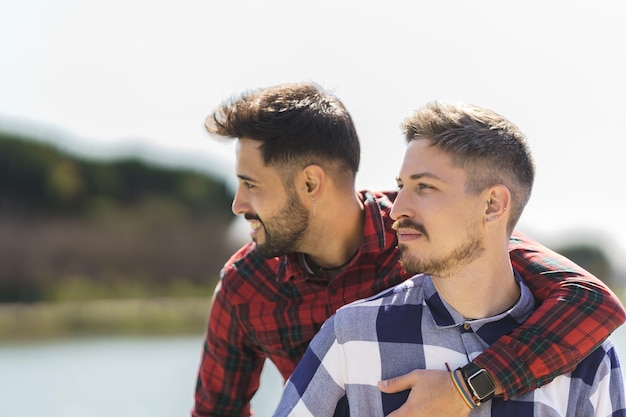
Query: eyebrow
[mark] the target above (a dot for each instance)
(415, 177)
(245, 178)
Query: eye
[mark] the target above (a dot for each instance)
(424, 186)
(246, 184)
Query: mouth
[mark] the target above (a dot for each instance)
(255, 227)
(408, 230)
(407, 235)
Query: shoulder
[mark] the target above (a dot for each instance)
(384, 198)
(247, 257)
(532, 257)
(393, 300)
(378, 206)
(409, 291)
(245, 269)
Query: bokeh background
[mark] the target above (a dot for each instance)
(115, 205)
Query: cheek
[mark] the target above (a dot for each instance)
(449, 219)
(266, 206)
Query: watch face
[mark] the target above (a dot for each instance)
(482, 384)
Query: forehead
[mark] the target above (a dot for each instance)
(248, 151)
(249, 162)
(423, 159)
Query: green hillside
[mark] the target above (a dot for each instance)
(73, 228)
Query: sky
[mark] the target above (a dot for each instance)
(138, 77)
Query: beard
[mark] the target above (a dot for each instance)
(285, 231)
(441, 265)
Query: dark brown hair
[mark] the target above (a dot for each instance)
(298, 124)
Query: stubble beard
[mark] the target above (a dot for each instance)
(285, 232)
(443, 264)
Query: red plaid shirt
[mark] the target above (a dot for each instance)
(272, 308)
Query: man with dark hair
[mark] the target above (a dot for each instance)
(318, 244)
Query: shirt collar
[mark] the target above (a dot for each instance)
(446, 316)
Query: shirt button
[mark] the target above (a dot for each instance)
(467, 327)
(333, 291)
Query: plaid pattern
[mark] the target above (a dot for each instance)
(411, 327)
(273, 308)
(577, 313)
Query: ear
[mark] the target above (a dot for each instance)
(313, 180)
(498, 199)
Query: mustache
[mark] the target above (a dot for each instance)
(250, 216)
(408, 224)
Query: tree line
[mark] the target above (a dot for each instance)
(75, 228)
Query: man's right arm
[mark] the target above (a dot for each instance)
(230, 370)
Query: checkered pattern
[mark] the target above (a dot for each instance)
(411, 327)
(272, 308)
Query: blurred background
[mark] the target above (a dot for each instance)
(115, 205)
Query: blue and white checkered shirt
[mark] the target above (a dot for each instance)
(410, 327)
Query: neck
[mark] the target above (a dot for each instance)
(326, 272)
(336, 234)
(480, 290)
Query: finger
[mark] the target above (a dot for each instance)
(397, 384)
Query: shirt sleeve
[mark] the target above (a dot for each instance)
(317, 386)
(230, 369)
(577, 313)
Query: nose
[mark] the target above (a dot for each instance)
(240, 204)
(400, 207)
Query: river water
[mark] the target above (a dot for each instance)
(113, 377)
(119, 377)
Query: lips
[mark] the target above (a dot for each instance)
(255, 226)
(407, 235)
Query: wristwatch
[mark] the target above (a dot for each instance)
(479, 382)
